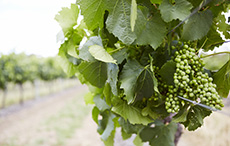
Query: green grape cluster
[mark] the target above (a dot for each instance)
(191, 82)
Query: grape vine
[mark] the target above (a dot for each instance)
(142, 66)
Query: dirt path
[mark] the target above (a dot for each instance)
(86, 135)
(21, 127)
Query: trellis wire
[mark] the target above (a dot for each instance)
(204, 106)
(205, 2)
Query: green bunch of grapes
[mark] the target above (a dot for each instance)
(191, 82)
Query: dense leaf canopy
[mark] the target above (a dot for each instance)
(131, 61)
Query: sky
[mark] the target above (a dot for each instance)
(29, 26)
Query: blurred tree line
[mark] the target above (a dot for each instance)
(21, 68)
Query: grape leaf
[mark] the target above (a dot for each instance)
(118, 22)
(147, 111)
(68, 53)
(129, 128)
(156, 1)
(69, 67)
(140, 84)
(89, 98)
(161, 134)
(95, 114)
(151, 30)
(195, 3)
(180, 10)
(100, 103)
(120, 56)
(101, 54)
(197, 25)
(212, 39)
(128, 82)
(110, 140)
(107, 93)
(167, 72)
(93, 12)
(222, 80)
(109, 127)
(106, 127)
(84, 50)
(133, 14)
(137, 141)
(145, 85)
(94, 72)
(131, 113)
(112, 71)
(223, 27)
(181, 116)
(67, 18)
(125, 135)
(195, 117)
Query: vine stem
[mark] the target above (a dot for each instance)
(116, 50)
(225, 52)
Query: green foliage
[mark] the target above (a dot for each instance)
(222, 80)
(167, 72)
(131, 113)
(160, 134)
(151, 31)
(94, 72)
(137, 66)
(180, 10)
(67, 18)
(197, 26)
(118, 22)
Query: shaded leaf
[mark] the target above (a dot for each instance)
(180, 10)
(84, 50)
(211, 40)
(131, 113)
(197, 26)
(150, 31)
(161, 134)
(94, 72)
(95, 114)
(129, 128)
(120, 56)
(118, 22)
(181, 116)
(195, 117)
(125, 135)
(147, 111)
(128, 82)
(110, 140)
(223, 26)
(138, 85)
(100, 103)
(109, 127)
(145, 85)
(222, 80)
(167, 72)
(107, 93)
(69, 67)
(112, 71)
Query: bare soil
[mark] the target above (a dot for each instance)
(22, 125)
